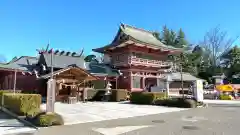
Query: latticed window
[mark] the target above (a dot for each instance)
(145, 56)
(136, 82)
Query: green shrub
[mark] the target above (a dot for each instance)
(1, 96)
(47, 119)
(189, 103)
(225, 97)
(91, 93)
(146, 97)
(200, 104)
(119, 95)
(95, 94)
(177, 102)
(6, 91)
(23, 104)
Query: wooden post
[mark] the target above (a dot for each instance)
(131, 81)
(116, 82)
(182, 81)
(15, 79)
(84, 92)
(143, 83)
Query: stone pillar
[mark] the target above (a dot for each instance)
(167, 87)
(158, 82)
(51, 93)
(57, 91)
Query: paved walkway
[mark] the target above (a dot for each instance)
(214, 120)
(100, 111)
(9, 125)
(222, 102)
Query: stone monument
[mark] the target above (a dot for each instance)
(51, 85)
(198, 90)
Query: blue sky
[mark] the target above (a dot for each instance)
(27, 25)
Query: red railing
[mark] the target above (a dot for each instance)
(147, 62)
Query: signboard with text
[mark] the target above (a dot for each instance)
(51, 85)
(198, 90)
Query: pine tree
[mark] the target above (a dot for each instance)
(172, 39)
(157, 35)
(181, 39)
(166, 35)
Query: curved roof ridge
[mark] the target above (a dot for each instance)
(137, 28)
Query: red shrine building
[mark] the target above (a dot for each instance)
(140, 57)
(135, 60)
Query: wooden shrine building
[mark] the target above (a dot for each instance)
(30, 74)
(135, 60)
(140, 56)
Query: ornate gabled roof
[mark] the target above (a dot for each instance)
(79, 72)
(63, 60)
(127, 32)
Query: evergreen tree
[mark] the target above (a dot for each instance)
(166, 36)
(231, 61)
(157, 35)
(180, 40)
(172, 38)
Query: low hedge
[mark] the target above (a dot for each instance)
(6, 91)
(146, 97)
(95, 95)
(44, 119)
(119, 95)
(1, 96)
(177, 102)
(116, 94)
(226, 97)
(22, 104)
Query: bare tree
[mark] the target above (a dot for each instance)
(216, 42)
(2, 58)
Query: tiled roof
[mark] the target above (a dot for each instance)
(144, 36)
(66, 69)
(139, 36)
(176, 76)
(24, 63)
(63, 61)
(100, 68)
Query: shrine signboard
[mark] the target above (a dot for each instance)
(51, 85)
(198, 90)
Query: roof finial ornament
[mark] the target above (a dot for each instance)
(122, 24)
(81, 52)
(41, 51)
(47, 46)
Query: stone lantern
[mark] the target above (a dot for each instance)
(168, 81)
(108, 88)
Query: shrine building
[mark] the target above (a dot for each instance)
(135, 60)
(140, 56)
